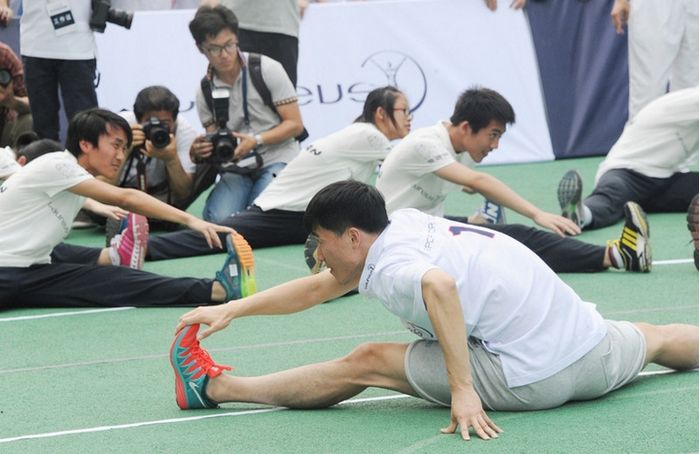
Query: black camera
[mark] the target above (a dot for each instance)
(224, 144)
(157, 132)
(102, 12)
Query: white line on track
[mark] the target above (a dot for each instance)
(234, 413)
(65, 314)
(177, 420)
(672, 262)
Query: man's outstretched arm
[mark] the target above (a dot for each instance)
(287, 298)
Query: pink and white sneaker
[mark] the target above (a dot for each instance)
(128, 248)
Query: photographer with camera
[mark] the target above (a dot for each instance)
(158, 162)
(248, 139)
(58, 49)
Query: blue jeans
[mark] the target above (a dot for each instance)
(234, 192)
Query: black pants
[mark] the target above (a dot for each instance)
(655, 195)
(74, 279)
(44, 76)
(283, 48)
(260, 229)
(561, 254)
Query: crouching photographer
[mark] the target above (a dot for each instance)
(158, 162)
(249, 109)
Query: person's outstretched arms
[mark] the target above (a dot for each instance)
(287, 298)
(495, 190)
(445, 311)
(139, 202)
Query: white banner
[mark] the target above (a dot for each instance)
(431, 49)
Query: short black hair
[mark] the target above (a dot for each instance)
(209, 21)
(90, 124)
(346, 204)
(480, 106)
(155, 98)
(38, 148)
(384, 97)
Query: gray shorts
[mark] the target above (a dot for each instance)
(614, 362)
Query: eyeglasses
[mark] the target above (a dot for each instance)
(218, 51)
(5, 77)
(406, 111)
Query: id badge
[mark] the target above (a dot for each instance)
(61, 17)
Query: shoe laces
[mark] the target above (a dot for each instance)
(202, 362)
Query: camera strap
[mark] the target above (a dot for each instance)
(244, 89)
(141, 163)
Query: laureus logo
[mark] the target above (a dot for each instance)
(400, 70)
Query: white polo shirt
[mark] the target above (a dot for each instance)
(511, 299)
(406, 179)
(349, 154)
(37, 208)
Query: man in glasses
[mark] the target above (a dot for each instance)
(15, 116)
(230, 106)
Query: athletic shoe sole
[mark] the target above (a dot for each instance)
(639, 233)
(246, 263)
(139, 229)
(569, 195)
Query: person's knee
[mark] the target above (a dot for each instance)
(376, 364)
(365, 357)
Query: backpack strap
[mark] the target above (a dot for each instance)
(256, 77)
(255, 70)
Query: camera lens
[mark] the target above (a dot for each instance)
(159, 137)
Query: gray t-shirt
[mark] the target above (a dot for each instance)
(272, 16)
(261, 116)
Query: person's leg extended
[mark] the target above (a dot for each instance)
(320, 385)
(75, 285)
(259, 228)
(561, 254)
(311, 386)
(674, 346)
(616, 187)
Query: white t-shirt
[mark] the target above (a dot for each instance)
(349, 154)
(511, 299)
(261, 116)
(660, 140)
(37, 210)
(155, 169)
(66, 41)
(406, 179)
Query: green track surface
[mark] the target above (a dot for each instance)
(91, 371)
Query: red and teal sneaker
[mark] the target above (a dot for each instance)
(193, 368)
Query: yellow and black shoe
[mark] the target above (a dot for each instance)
(633, 244)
